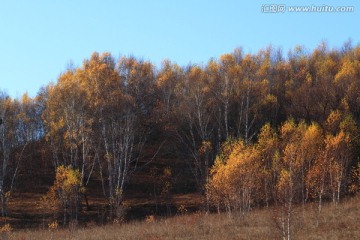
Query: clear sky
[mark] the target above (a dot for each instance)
(39, 38)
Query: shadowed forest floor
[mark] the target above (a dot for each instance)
(341, 222)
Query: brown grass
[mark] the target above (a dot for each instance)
(341, 222)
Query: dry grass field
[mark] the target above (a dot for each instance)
(341, 222)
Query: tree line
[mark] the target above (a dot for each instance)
(259, 126)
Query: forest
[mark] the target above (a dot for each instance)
(243, 131)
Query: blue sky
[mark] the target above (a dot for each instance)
(39, 38)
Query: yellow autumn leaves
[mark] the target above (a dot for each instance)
(294, 164)
(64, 194)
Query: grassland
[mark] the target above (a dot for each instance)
(334, 222)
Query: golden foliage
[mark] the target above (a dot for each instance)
(53, 226)
(6, 228)
(355, 179)
(236, 174)
(65, 190)
(67, 180)
(303, 161)
(150, 219)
